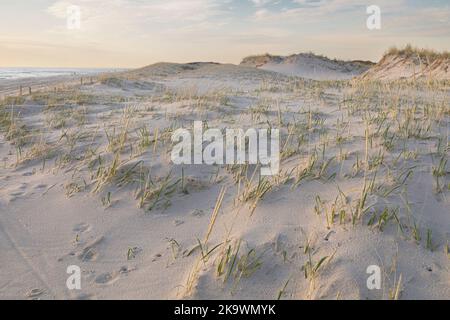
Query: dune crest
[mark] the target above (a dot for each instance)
(411, 64)
(308, 65)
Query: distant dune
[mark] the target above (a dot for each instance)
(411, 63)
(309, 65)
(164, 69)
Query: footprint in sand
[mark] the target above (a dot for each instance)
(197, 213)
(107, 278)
(178, 223)
(79, 229)
(126, 270)
(82, 227)
(156, 257)
(17, 194)
(40, 186)
(85, 296)
(14, 196)
(89, 252)
(34, 293)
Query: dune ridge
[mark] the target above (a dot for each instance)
(309, 65)
(411, 64)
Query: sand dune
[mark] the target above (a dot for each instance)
(309, 65)
(86, 179)
(411, 65)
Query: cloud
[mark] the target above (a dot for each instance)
(220, 29)
(260, 3)
(262, 13)
(59, 9)
(312, 3)
(431, 22)
(319, 10)
(119, 11)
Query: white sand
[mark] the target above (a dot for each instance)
(309, 66)
(50, 216)
(393, 67)
(10, 87)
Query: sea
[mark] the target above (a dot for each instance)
(22, 73)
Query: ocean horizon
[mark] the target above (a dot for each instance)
(12, 73)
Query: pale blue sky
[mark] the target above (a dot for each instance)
(132, 33)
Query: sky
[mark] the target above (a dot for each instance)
(135, 33)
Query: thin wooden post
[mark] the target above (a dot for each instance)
(20, 90)
(29, 90)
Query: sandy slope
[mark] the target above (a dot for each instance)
(398, 66)
(12, 87)
(308, 65)
(52, 214)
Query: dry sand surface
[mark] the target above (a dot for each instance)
(86, 179)
(309, 66)
(412, 66)
(10, 87)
